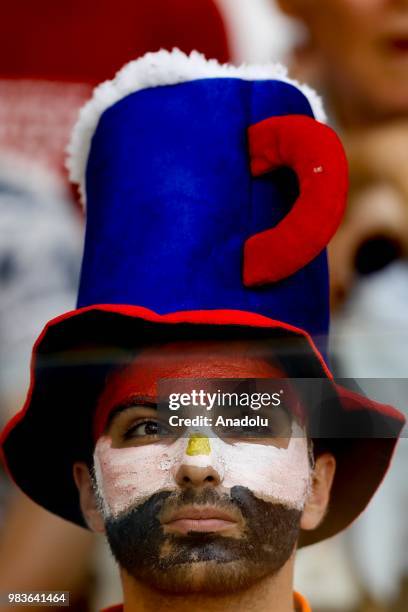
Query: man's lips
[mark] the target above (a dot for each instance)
(203, 519)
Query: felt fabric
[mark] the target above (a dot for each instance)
(171, 202)
(314, 151)
(160, 69)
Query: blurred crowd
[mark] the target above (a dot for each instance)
(355, 54)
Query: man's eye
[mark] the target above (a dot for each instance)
(147, 428)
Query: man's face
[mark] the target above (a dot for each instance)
(198, 511)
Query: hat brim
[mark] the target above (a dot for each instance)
(54, 428)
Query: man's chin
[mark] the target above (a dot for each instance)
(202, 578)
(211, 563)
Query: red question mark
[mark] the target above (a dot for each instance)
(317, 156)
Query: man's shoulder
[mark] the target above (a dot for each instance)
(117, 608)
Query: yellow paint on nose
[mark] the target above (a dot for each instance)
(198, 444)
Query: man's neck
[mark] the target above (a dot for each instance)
(270, 593)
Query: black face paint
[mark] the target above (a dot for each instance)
(203, 562)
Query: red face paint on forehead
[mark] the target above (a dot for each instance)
(179, 360)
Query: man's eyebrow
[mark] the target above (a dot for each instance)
(134, 400)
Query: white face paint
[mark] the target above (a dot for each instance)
(127, 476)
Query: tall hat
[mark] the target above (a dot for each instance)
(184, 211)
(211, 193)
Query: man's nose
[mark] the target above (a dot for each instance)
(196, 468)
(192, 476)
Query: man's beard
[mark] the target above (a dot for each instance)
(207, 563)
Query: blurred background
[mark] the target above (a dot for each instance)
(355, 53)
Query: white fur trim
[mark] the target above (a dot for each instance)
(153, 70)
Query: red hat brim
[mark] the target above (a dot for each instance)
(54, 428)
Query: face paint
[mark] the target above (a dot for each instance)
(203, 562)
(127, 476)
(198, 444)
(179, 360)
(271, 473)
(263, 486)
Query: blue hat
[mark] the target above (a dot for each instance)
(211, 193)
(190, 171)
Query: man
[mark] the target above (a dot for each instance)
(198, 519)
(186, 218)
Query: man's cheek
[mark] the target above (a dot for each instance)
(273, 474)
(126, 477)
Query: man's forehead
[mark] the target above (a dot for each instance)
(184, 360)
(200, 359)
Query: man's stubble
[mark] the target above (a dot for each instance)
(208, 563)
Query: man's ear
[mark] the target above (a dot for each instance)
(319, 496)
(87, 497)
